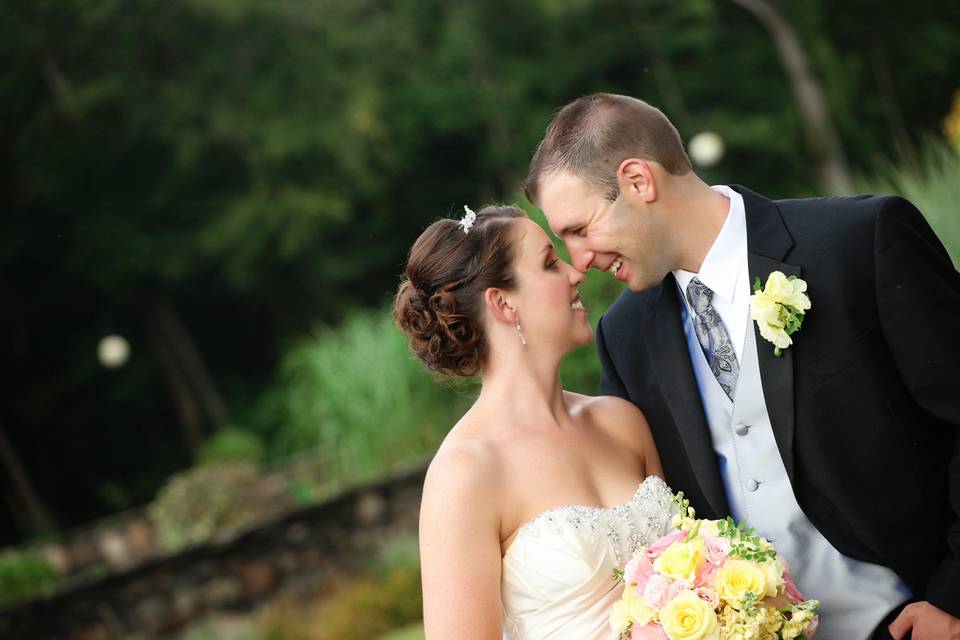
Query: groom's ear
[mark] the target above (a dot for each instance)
(497, 303)
(636, 177)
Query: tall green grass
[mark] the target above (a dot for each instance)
(357, 398)
(932, 184)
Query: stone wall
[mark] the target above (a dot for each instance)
(127, 539)
(306, 549)
(116, 543)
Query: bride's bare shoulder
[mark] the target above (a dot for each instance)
(464, 469)
(605, 410)
(622, 421)
(465, 458)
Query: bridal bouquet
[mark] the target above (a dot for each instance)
(710, 580)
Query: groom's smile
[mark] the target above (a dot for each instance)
(614, 267)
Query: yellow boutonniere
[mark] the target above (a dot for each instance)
(778, 308)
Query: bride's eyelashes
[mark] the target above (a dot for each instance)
(552, 259)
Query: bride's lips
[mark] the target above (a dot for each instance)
(577, 304)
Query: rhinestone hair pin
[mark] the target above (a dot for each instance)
(468, 219)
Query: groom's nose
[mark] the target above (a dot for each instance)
(581, 259)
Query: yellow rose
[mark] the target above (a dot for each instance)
(736, 577)
(779, 306)
(770, 319)
(630, 608)
(773, 576)
(710, 528)
(681, 560)
(788, 292)
(620, 617)
(687, 617)
(637, 607)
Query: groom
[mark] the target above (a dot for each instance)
(844, 450)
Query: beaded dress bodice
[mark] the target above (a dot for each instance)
(557, 574)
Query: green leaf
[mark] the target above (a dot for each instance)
(756, 284)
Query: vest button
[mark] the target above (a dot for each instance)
(741, 429)
(752, 485)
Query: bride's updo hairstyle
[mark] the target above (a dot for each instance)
(439, 304)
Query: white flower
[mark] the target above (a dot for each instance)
(468, 219)
(779, 308)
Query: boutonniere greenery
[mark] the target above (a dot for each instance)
(778, 308)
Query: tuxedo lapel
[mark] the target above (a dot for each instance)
(768, 243)
(668, 349)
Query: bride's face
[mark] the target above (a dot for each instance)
(546, 298)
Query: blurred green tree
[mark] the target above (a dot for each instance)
(211, 178)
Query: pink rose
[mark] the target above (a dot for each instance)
(656, 592)
(706, 574)
(678, 587)
(638, 571)
(650, 631)
(709, 596)
(658, 547)
(793, 593)
(716, 549)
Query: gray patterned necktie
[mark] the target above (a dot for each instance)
(713, 336)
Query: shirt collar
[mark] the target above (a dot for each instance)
(722, 264)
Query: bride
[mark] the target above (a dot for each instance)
(537, 493)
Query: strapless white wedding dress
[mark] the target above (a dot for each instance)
(557, 575)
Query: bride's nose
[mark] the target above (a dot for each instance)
(576, 277)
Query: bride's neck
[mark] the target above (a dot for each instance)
(525, 390)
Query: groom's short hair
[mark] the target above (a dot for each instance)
(592, 135)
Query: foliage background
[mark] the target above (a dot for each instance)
(241, 180)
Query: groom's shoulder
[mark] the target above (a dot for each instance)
(842, 221)
(632, 308)
(831, 212)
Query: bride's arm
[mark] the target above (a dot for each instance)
(460, 547)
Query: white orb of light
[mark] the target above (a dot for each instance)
(706, 148)
(113, 351)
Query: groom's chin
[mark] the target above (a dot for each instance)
(638, 284)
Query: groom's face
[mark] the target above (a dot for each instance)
(600, 234)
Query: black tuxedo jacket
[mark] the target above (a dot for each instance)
(865, 405)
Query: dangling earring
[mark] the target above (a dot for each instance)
(522, 339)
